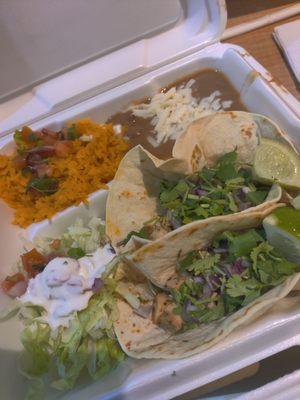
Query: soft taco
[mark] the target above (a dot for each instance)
(209, 278)
(209, 175)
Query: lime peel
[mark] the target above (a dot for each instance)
(275, 161)
(282, 228)
(296, 202)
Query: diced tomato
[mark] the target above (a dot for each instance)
(14, 285)
(49, 132)
(49, 136)
(26, 133)
(29, 137)
(20, 162)
(63, 148)
(18, 290)
(33, 262)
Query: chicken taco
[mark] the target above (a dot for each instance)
(208, 278)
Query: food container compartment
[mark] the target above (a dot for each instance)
(255, 92)
(270, 334)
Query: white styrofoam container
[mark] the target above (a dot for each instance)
(151, 64)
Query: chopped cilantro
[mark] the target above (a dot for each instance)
(231, 303)
(270, 268)
(72, 133)
(207, 174)
(235, 182)
(142, 233)
(187, 261)
(228, 158)
(262, 248)
(45, 186)
(226, 167)
(206, 314)
(18, 137)
(203, 265)
(257, 196)
(171, 194)
(241, 244)
(76, 252)
(32, 137)
(221, 190)
(236, 286)
(237, 269)
(232, 206)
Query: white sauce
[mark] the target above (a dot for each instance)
(65, 285)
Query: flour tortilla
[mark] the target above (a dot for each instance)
(208, 138)
(141, 338)
(133, 196)
(157, 260)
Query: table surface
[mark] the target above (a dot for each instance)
(260, 43)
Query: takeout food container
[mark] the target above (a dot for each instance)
(186, 41)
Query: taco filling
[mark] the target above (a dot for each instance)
(235, 270)
(226, 188)
(208, 278)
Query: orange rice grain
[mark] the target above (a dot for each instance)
(89, 167)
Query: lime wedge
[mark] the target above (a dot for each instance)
(296, 202)
(275, 161)
(282, 228)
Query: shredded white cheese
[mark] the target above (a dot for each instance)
(171, 112)
(152, 141)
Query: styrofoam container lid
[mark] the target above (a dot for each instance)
(41, 39)
(125, 39)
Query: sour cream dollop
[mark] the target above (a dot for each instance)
(65, 285)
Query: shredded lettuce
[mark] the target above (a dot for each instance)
(87, 345)
(86, 238)
(79, 239)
